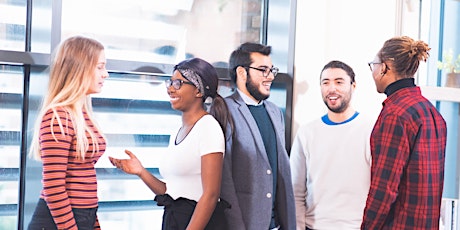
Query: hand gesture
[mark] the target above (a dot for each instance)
(130, 166)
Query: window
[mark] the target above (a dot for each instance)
(12, 25)
(11, 97)
(164, 31)
(144, 39)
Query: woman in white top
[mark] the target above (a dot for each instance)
(193, 164)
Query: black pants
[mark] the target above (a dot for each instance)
(177, 213)
(42, 219)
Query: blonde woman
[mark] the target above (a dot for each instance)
(67, 139)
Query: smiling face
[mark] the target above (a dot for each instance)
(99, 75)
(336, 89)
(183, 98)
(257, 86)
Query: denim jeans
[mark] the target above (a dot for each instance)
(42, 219)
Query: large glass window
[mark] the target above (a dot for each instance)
(143, 40)
(439, 26)
(449, 35)
(165, 31)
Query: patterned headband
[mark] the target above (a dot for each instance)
(194, 78)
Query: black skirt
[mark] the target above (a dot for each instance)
(177, 213)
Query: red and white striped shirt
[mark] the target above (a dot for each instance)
(68, 182)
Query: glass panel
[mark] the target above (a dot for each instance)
(165, 31)
(38, 85)
(150, 219)
(439, 25)
(450, 112)
(449, 38)
(12, 24)
(11, 78)
(41, 26)
(133, 109)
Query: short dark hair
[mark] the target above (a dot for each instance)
(340, 65)
(242, 56)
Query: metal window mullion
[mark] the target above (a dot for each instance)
(25, 114)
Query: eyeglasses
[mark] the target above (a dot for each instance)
(371, 65)
(176, 83)
(266, 71)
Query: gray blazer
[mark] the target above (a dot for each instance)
(247, 183)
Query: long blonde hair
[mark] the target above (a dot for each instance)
(71, 74)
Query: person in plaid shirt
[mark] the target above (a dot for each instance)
(408, 144)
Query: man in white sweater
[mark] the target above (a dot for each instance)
(330, 158)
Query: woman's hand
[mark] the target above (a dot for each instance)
(130, 166)
(134, 166)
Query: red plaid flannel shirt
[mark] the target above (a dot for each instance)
(408, 145)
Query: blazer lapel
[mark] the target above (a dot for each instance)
(273, 112)
(249, 119)
(279, 130)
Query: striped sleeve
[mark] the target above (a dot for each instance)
(55, 151)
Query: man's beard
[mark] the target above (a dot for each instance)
(254, 90)
(343, 106)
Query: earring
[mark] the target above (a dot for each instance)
(382, 73)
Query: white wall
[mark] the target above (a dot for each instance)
(350, 31)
